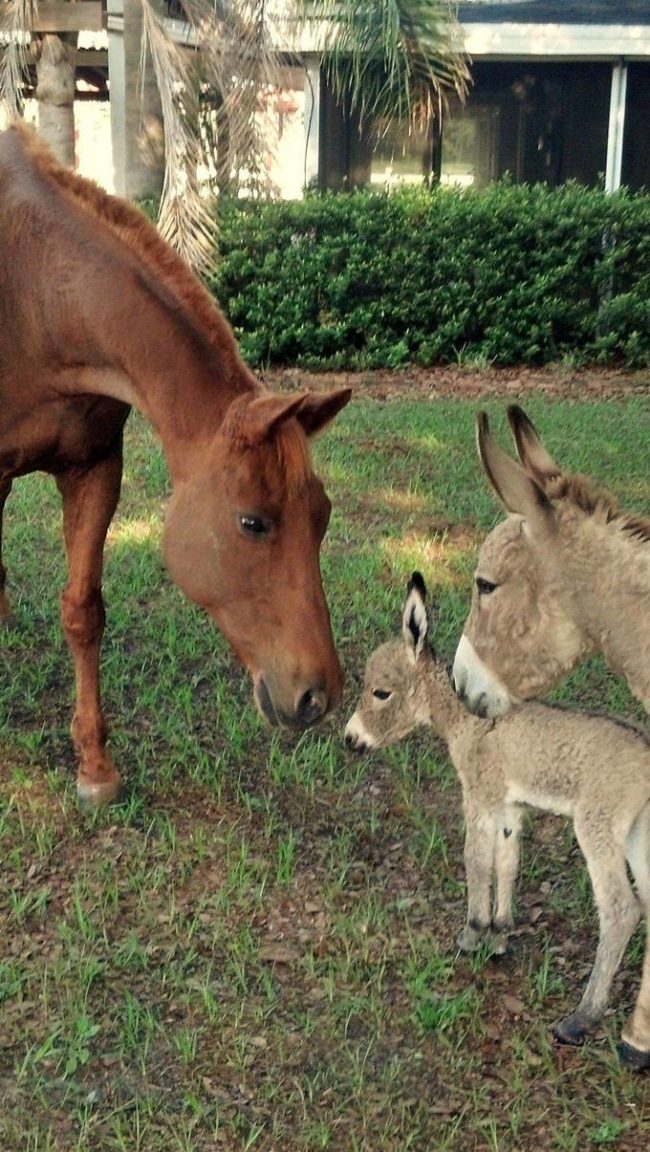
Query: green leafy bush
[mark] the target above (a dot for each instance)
(511, 274)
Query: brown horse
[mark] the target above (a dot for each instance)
(565, 576)
(97, 314)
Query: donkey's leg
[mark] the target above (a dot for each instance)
(480, 834)
(635, 1047)
(618, 914)
(89, 501)
(506, 868)
(7, 617)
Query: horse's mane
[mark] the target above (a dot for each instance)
(133, 228)
(594, 501)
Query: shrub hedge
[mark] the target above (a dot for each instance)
(510, 274)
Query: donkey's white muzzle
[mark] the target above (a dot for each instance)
(479, 689)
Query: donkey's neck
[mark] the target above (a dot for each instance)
(445, 713)
(607, 576)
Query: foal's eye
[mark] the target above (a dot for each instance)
(484, 587)
(254, 526)
(381, 694)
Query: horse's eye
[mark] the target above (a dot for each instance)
(484, 587)
(254, 525)
(381, 694)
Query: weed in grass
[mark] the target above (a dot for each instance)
(286, 854)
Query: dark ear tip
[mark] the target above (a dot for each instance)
(517, 418)
(482, 423)
(417, 582)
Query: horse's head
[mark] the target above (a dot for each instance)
(242, 539)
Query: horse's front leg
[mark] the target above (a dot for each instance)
(7, 618)
(89, 501)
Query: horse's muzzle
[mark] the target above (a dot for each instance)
(311, 707)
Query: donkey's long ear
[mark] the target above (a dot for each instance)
(516, 490)
(318, 409)
(532, 453)
(414, 616)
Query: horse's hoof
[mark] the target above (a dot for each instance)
(9, 623)
(634, 1058)
(97, 794)
(574, 1029)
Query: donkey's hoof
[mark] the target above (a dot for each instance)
(634, 1058)
(471, 938)
(574, 1029)
(98, 793)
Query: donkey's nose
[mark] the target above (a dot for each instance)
(312, 706)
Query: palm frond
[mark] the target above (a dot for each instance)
(238, 64)
(17, 18)
(186, 218)
(392, 58)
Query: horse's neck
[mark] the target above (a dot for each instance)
(153, 356)
(611, 570)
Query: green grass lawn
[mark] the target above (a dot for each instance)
(256, 951)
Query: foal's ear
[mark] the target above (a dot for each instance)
(517, 490)
(414, 616)
(318, 409)
(532, 453)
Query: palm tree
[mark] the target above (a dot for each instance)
(387, 57)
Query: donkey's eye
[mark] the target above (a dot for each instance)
(381, 694)
(254, 526)
(484, 587)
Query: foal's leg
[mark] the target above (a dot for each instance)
(89, 501)
(635, 1047)
(6, 615)
(618, 913)
(480, 833)
(506, 868)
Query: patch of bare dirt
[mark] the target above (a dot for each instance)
(451, 382)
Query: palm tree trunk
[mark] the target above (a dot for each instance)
(55, 87)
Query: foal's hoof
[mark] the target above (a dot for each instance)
(98, 793)
(634, 1058)
(574, 1029)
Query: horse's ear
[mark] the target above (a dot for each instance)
(414, 616)
(260, 417)
(532, 453)
(516, 489)
(318, 409)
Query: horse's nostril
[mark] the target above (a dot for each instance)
(312, 706)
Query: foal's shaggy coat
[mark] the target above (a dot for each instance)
(566, 575)
(590, 768)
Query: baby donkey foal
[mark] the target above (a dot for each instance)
(590, 768)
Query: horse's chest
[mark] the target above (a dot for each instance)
(60, 434)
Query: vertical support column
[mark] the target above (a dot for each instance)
(616, 127)
(136, 115)
(311, 174)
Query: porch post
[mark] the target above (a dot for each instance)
(136, 117)
(616, 127)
